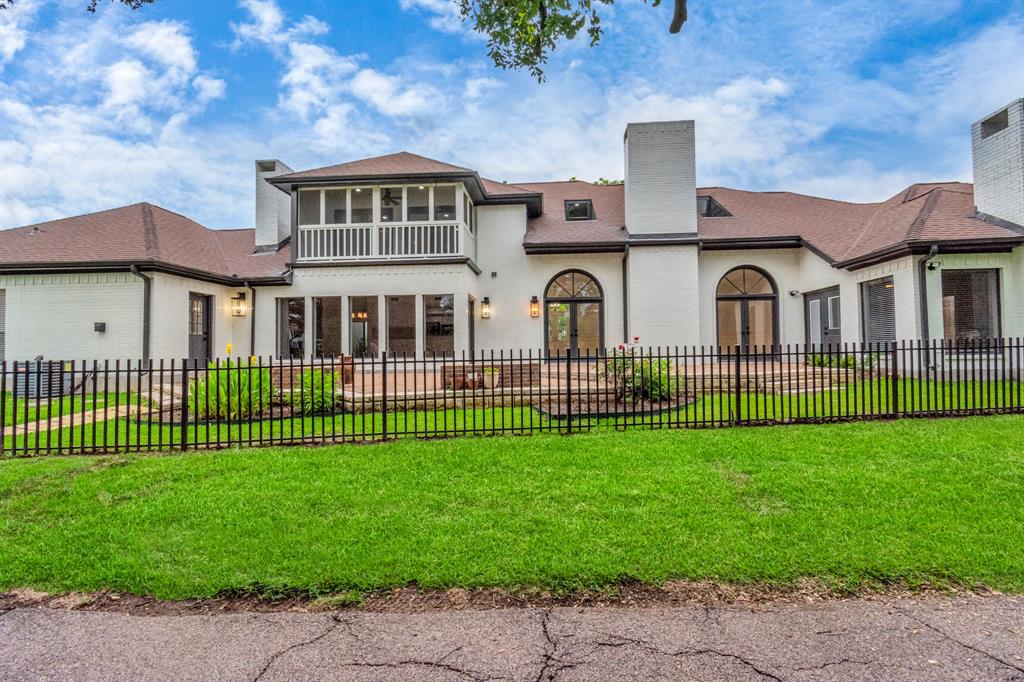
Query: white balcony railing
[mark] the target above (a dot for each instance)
(389, 240)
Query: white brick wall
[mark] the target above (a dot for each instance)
(661, 178)
(273, 207)
(53, 316)
(999, 167)
(169, 319)
(664, 298)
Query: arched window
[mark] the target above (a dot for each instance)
(573, 314)
(747, 307)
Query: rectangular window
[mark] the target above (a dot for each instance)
(362, 205)
(309, 207)
(444, 202)
(970, 304)
(402, 325)
(327, 326)
(878, 305)
(391, 204)
(439, 325)
(364, 326)
(995, 123)
(579, 209)
(336, 206)
(419, 203)
(291, 325)
(834, 319)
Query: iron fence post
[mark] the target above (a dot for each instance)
(736, 389)
(894, 390)
(384, 395)
(568, 390)
(184, 405)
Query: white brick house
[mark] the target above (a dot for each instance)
(405, 254)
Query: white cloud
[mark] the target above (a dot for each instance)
(391, 96)
(208, 88)
(443, 15)
(14, 23)
(314, 79)
(267, 25)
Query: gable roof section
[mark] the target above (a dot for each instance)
(551, 232)
(140, 234)
(400, 163)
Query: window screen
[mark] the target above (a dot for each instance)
(878, 303)
(970, 304)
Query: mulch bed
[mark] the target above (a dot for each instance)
(412, 599)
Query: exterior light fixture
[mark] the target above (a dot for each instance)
(238, 307)
(794, 292)
(534, 307)
(360, 315)
(485, 308)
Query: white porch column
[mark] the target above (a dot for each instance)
(382, 323)
(346, 325)
(308, 346)
(421, 328)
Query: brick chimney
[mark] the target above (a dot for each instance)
(997, 146)
(661, 178)
(273, 207)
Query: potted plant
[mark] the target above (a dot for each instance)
(492, 377)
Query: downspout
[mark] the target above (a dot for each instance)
(922, 270)
(252, 319)
(625, 295)
(147, 289)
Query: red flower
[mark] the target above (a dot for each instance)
(622, 346)
(636, 339)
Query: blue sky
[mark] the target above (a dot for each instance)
(171, 104)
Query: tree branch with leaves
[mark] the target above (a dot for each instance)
(522, 33)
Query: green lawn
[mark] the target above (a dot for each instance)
(21, 410)
(872, 398)
(854, 504)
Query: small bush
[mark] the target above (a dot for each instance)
(230, 390)
(315, 392)
(841, 361)
(636, 377)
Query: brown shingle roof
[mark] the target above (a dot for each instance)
(839, 230)
(400, 163)
(551, 227)
(136, 234)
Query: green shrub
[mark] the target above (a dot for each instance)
(230, 390)
(635, 376)
(841, 361)
(315, 392)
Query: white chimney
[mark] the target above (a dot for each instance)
(997, 148)
(273, 207)
(661, 178)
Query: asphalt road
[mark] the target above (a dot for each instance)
(934, 638)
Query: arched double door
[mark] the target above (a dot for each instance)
(747, 310)
(573, 314)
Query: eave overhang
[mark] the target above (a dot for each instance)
(143, 266)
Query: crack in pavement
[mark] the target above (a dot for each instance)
(965, 645)
(439, 664)
(552, 664)
(643, 644)
(829, 664)
(298, 645)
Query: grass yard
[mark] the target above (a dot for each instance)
(21, 410)
(875, 397)
(854, 504)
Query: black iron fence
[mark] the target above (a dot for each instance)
(84, 407)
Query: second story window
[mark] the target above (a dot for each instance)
(444, 202)
(309, 207)
(391, 204)
(362, 205)
(418, 202)
(336, 206)
(579, 209)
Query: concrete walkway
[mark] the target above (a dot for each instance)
(933, 638)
